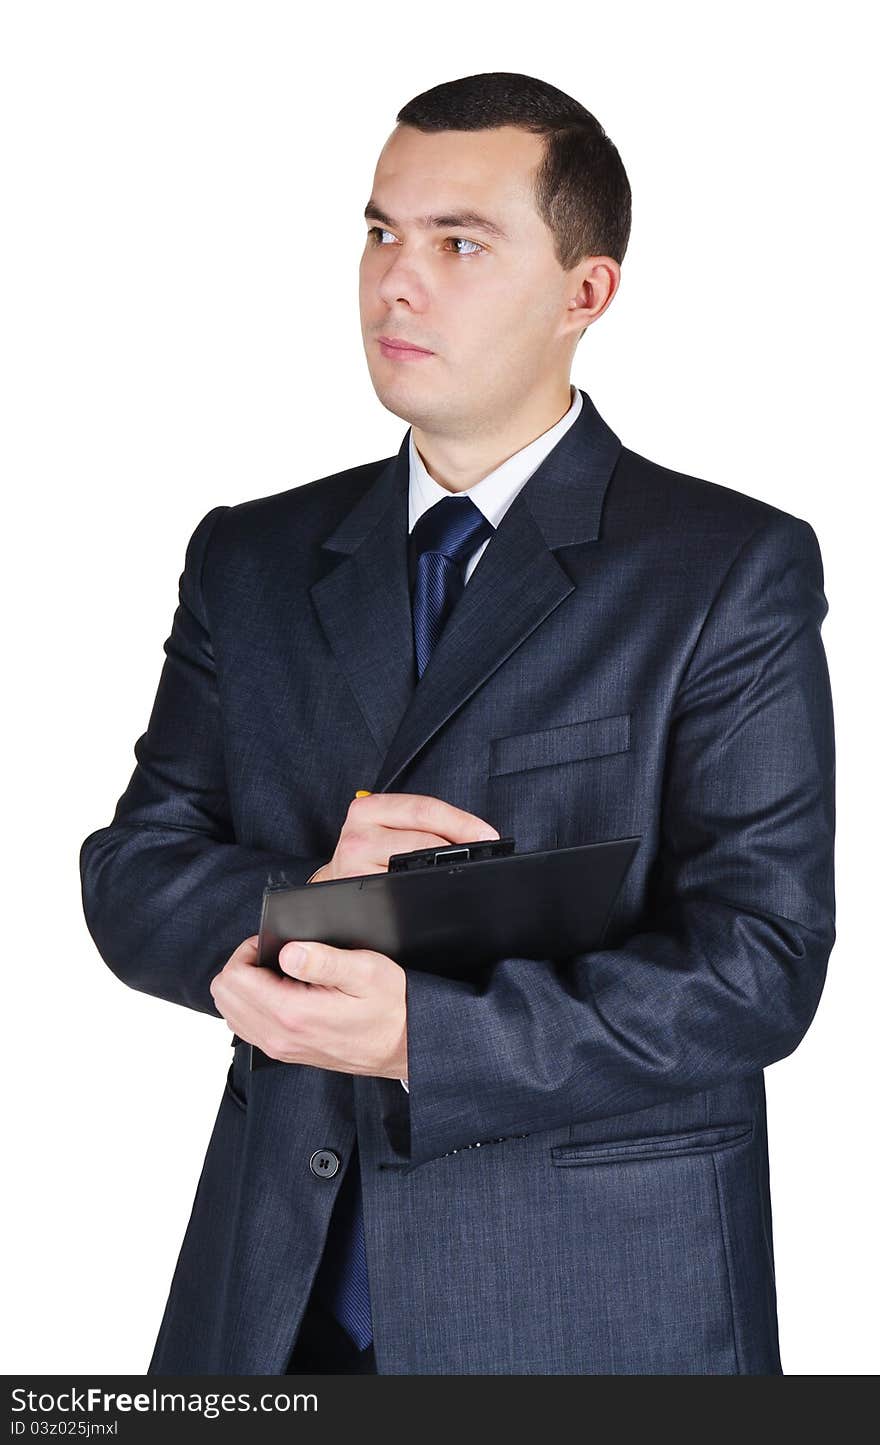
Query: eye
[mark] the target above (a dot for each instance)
(374, 233)
(461, 240)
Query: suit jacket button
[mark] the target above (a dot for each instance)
(324, 1163)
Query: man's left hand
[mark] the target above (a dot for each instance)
(339, 1008)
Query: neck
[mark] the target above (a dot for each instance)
(458, 463)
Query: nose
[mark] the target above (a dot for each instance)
(400, 281)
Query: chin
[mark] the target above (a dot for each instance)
(401, 400)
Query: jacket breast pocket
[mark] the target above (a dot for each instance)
(571, 743)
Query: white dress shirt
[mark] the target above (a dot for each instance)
(494, 493)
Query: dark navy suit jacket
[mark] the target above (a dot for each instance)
(577, 1182)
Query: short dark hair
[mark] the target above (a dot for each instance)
(581, 188)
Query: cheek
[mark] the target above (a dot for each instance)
(366, 285)
(370, 273)
(521, 316)
(514, 345)
(491, 326)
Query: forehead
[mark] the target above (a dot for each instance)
(490, 169)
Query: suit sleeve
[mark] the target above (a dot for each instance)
(727, 973)
(168, 894)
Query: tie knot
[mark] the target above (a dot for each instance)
(454, 527)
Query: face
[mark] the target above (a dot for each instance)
(492, 307)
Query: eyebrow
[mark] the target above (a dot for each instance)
(464, 220)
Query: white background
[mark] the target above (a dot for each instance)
(183, 187)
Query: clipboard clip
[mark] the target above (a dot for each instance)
(452, 853)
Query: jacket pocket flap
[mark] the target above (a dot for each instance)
(611, 1151)
(589, 738)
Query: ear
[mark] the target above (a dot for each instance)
(594, 282)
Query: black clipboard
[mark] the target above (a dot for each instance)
(456, 910)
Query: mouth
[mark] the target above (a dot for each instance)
(400, 350)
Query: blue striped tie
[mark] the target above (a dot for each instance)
(444, 537)
(341, 1282)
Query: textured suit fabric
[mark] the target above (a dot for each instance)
(577, 1182)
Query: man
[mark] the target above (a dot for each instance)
(515, 626)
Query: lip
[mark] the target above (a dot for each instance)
(392, 345)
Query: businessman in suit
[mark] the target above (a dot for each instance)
(515, 625)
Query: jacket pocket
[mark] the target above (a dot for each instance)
(655, 1146)
(233, 1090)
(592, 737)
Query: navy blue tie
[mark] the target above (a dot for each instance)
(341, 1282)
(444, 537)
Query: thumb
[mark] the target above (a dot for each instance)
(319, 963)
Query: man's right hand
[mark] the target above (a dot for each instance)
(380, 824)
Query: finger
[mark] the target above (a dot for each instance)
(247, 952)
(320, 963)
(421, 813)
(242, 979)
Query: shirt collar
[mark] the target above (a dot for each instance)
(494, 493)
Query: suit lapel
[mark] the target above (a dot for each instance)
(364, 603)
